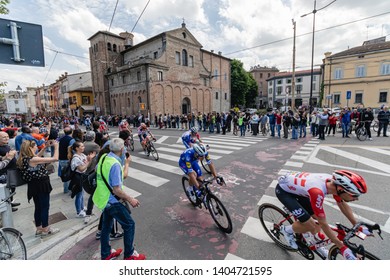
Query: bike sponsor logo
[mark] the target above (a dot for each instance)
(319, 200)
(298, 212)
(292, 188)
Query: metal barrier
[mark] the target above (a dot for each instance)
(5, 208)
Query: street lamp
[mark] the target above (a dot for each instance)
(312, 48)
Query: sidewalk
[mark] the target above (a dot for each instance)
(62, 215)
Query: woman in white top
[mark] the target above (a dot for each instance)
(79, 164)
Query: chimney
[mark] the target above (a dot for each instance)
(327, 54)
(212, 51)
(219, 53)
(128, 39)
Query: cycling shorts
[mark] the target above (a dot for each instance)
(142, 137)
(298, 205)
(186, 167)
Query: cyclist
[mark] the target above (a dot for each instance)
(190, 137)
(143, 132)
(303, 194)
(124, 125)
(188, 163)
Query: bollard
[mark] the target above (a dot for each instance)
(5, 208)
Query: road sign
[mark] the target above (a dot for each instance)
(349, 93)
(142, 106)
(21, 43)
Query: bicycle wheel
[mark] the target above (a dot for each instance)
(189, 191)
(15, 249)
(205, 166)
(375, 126)
(131, 143)
(219, 213)
(271, 218)
(335, 254)
(153, 151)
(361, 134)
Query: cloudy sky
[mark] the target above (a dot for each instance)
(257, 32)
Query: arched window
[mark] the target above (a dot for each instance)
(109, 46)
(184, 58)
(128, 102)
(139, 99)
(114, 47)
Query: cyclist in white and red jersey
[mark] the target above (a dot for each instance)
(124, 125)
(303, 195)
(143, 132)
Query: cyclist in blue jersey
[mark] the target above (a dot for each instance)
(190, 137)
(188, 163)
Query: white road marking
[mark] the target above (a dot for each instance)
(294, 164)
(155, 164)
(253, 228)
(211, 151)
(298, 157)
(147, 178)
(162, 139)
(232, 257)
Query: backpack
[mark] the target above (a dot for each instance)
(66, 173)
(88, 182)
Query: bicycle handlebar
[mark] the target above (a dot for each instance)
(353, 232)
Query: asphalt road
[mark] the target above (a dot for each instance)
(169, 227)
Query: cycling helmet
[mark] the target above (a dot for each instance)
(194, 130)
(351, 182)
(143, 125)
(200, 149)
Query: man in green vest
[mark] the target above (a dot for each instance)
(109, 197)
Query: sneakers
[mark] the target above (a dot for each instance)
(290, 238)
(323, 252)
(87, 219)
(51, 231)
(116, 236)
(114, 254)
(370, 139)
(81, 214)
(98, 234)
(135, 256)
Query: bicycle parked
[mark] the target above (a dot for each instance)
(12, 246)
(272, 218)
(210, 201)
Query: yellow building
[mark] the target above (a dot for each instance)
(81, 102)
(360, 75)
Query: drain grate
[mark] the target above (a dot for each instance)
(57, 217)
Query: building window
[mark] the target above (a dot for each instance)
(216, 95)
(128, 102)
(279, 90)
(114, 47)
(298, 89)
(279, 82)
(216, 74)
(191, 61)
(86, 100)
(359, 98)
(261, 75)
(109, 46)
(299, 80)
(360, 71)
(270, 91)
(314, 86)
(184, 58)
(177, 58)
(225, 77)
(288, 81)
(314, 78)
(336, 98)
(385, 68)
(138, 76)
(112, 82)
(225, 95)
(205, 82)
(270, 83)
(338, 73)
(269, 75)
(155, 54)
(288, 88)
(383, 97)
(124, 79)
(159, 75)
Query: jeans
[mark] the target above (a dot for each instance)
(41, 211)
(122, 215)
(345, 128)
(302, 130)
(272, 128)
(294, 133)
(382, 125)
(79, 201)
(62, 163)
(242, 130)
(278, 127)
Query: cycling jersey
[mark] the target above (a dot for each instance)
(124, 126)
(187, 138)
(310, 185)
(188, 162)
(142, 133)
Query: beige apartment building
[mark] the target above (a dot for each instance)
(361, 73)
(261, 74)
(169, 73)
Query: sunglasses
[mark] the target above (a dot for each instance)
(351, 194)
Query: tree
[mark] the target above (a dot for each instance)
(2, 84)
(3, 9)
(244, 86)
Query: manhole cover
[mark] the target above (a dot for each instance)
(56, 217)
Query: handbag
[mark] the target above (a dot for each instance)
(66, 172)
(88, 182)
(14, 178)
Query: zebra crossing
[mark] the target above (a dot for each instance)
(152, 173)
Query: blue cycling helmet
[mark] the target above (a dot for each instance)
(194, 130)
(200, 149)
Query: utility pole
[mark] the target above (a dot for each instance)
(293, 69)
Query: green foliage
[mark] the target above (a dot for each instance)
(3, 8)
(244, 87)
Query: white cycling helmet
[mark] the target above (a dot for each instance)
(194, 130)
(200, 149)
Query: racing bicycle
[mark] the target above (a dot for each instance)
(150, 147)
(272, 218)
(129, 143)
(204, 164)
(210, 201)
(12, 246)
(361, 131)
